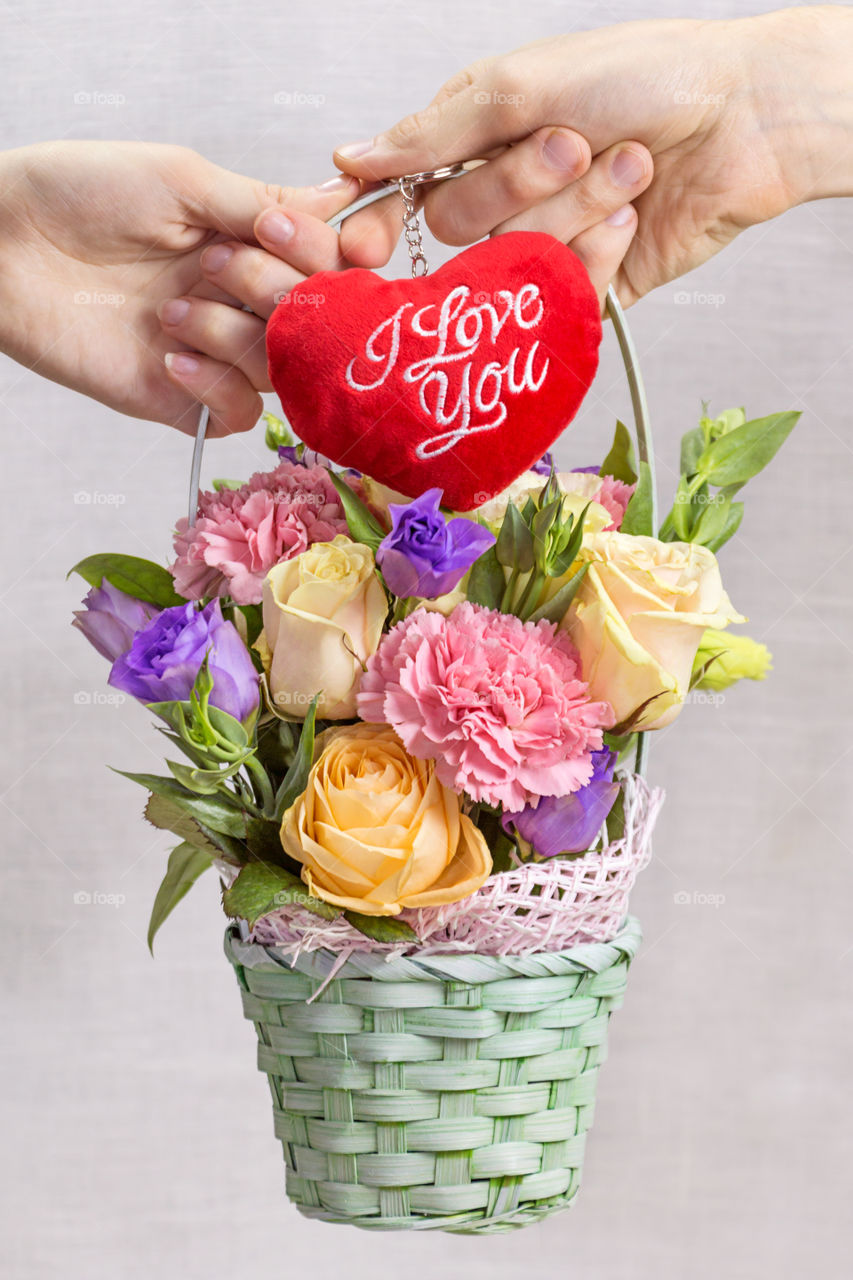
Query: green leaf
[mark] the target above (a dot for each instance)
(221, 484)
(740, 454)
(620, 460)
(486, 581)
(692, 446)
(260, 889)
(712, 520)
(730, 528)
(253, 613)
(555, 609)
(681, 511)
(381, 928)
(213, 811)
(165, 815)
(263, 838)
(514, 547)
(296, 778)
(140, 578)
(638, 515)
(186, 863)
(363, 526)
(202, 782)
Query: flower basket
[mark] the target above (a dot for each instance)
(445, 1093)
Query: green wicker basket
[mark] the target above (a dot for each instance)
(444, 1093)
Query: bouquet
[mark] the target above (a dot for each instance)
(396, 728)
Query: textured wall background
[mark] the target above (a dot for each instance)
(138, 1134)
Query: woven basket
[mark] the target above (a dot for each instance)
(444, 1093)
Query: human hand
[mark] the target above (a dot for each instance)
(95, 235)
(743, 119)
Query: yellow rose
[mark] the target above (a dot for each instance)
(323, 616)
(638, 618)
(376, 831)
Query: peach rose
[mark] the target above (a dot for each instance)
(323, 617)
(376, 831)
(638, 618)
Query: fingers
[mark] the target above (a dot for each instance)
(602, 249)
(233, 402)
(614, 178)
(542, 165)
(482, 109)
(226, 334)
(369, 236)
(229, 203)
(258, 277)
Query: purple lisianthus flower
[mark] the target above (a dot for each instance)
(166, 656)
(425, 554)
(569, 824)
(545, 465)
(586, 471)
(110, 619)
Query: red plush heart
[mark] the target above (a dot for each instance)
(458, 380)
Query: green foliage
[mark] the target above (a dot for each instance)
(620, 460)
(638, 514)
(381, 928)
(486, 580)
(143, 579)
(296, 778)
(514, 547)
(555, 609)
(186, 864)
(214, 812)
(166, 815)
(260, 889)
(362, 524)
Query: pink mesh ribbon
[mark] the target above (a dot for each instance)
(538, 906)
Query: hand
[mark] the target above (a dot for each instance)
(743, 119)
(94, 236)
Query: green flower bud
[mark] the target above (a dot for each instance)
(736, 658)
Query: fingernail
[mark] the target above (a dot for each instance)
(275, 227)
(354, 149)
(561, 151)
(337, 183)
(182, 364)
(620, 216)
(627, 169)
(217, 257)
(174, 311)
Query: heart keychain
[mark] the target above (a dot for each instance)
(459, 380)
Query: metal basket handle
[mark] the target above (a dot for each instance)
(639, 406)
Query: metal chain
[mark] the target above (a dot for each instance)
(412, 228)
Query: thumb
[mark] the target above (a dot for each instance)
(229, 203)
(466, 121)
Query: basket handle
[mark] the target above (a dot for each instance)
(630, 359)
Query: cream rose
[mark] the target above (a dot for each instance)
(638, 618)
(577, 490)
(376, 831)
(323, 615)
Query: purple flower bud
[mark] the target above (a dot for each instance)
(110, 618)
(545, 465)
(569, 824)
(166, 656)
(426, 554)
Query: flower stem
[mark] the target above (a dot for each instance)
(263, 786)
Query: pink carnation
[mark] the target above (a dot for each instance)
(614, 495)
(496, 702)
(241, 533)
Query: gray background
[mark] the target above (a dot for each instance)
(138, 1133)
